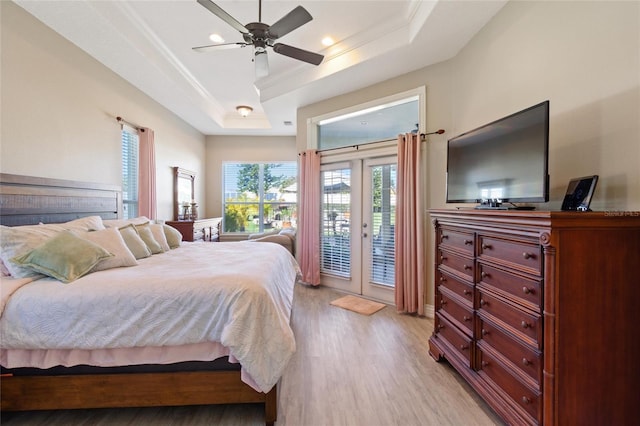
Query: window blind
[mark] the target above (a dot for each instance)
(130, 146)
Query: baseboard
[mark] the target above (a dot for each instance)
(429, 311)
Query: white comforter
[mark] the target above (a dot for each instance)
(238, 294)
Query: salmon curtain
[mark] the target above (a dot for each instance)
(308, 235)
(147, 204)
(409, 244)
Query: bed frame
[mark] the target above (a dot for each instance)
(26, 200)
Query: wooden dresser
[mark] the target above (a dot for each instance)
(200, 229)
(535, 310)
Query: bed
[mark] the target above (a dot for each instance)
(188, 325)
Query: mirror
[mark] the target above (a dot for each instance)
(183, 194)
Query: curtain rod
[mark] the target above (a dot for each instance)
(122, 121)
(423, 136)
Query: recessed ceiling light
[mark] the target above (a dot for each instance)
(216, 38)
(327, 41)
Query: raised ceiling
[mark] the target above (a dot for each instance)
(149, 44)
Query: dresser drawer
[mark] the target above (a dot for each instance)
(456, 239)
(456, 285)
(527, 359)
(517, 252)
(528, 326)
(454, 338)
(527, 290)
(462, 316)
(495, 371)
(456, 263)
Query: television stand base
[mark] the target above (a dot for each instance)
(502, 207)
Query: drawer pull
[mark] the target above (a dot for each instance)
(466, 292)
(527, 255)
(485, 363)
(468, 242)
(466, 318)
(463, 347)
(444, 237)
(440, 326)
(526, 290)
(484, 274)
(525, 324)
(486, 246)
(484, 332)
(442, 258)
(483, 302)
(444, 302)
(442, 279)
(466, 267)
(526, 361)
(526, 400)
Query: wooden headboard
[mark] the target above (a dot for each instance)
(28, 200)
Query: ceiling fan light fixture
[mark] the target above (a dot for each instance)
(244, 110)
(262, 63)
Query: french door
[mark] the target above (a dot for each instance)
(357, 236)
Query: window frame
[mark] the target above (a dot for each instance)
(260, 202)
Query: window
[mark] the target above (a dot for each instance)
(129, 172)
(259, 196)
(374, 124)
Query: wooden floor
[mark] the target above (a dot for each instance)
(349, 370)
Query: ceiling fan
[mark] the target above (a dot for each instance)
(261, 36)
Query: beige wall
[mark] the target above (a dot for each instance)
(241, 148)
(58, 108)
(582, 56)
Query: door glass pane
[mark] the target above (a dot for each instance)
(383, 194)
(335, 239)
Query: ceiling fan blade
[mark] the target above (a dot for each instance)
(300, 54)
(220, 13)
(210, 47)
(292, 20)
(262, 64)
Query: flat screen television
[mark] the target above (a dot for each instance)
(506, 161)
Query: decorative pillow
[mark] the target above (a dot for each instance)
(18, 240)
(147, 236)
(121, 223)
(110, 240)
(174, 237)
(65, 257)
(158, 234)
(133, 241)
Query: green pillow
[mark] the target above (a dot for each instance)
(65, 257)
(147, 236)
(133, 241)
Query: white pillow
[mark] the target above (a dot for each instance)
(174, 237)
(89, 223)
(120, 223)
(111, 240)
(158, 233)
(18, 240)
(4, 272)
